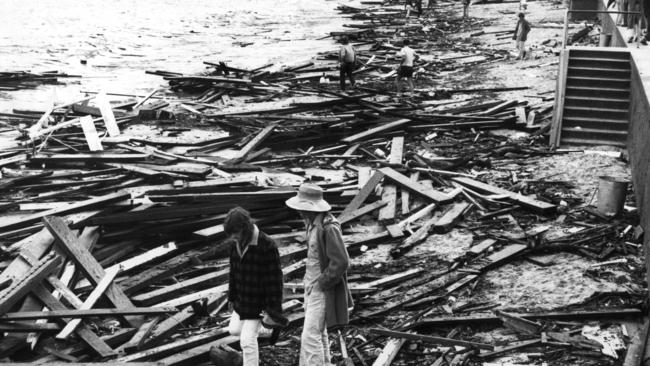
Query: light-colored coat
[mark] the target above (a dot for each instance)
(334, 262)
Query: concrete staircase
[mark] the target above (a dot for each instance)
(593, 97)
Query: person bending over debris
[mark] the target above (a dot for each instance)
(347, 60)
(521, 34)
(405, 70)
(255, 282)
(327, 297)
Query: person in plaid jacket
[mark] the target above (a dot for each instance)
(255, 284)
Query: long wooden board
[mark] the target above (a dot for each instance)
(536, 205)
(68, 243)
(414, 187)
(373, 131)
(75, 207)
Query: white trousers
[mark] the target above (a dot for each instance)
(247, 330)
(314, 344)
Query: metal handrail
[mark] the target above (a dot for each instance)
(566, 19)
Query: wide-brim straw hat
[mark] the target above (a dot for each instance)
(309, 198)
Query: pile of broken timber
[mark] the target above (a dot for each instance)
(93, 217)
(16, 80)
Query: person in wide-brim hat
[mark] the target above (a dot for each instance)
(327, 297)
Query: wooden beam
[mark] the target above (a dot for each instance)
(173, 347)
(28, 327)
(86, 263)
(559, 315)
(252, 144)
(510, 348)
(96, 157)
(170, 292)
(637, 347)
(90, 301)
(414, 187)
(363, 194)
(75, 207)
(89, 313)
(136, 342)
(450, 218)
(83, 331)
(535, 205)
(362, 211)
(339, 162)
(431, 339)
(406, 195)
(388, 196)
(389, 352)
(168, 326)
(373, 131)
(21, 287)
(191, 356)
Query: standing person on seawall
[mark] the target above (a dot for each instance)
(327, 298)
(347, 60)
(255, 283)
(521, 35)
(405, 69)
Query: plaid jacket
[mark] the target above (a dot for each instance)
(255, 282)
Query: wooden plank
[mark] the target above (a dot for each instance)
(339, 162)
(20, 287)
(111, 363)
(75, 313)
(97, 292)
(184, 300)
(637, 346)
(179, 345)
(210, 232)
(169, 292)
(414, 187)
(393, 279)
(252, 144)
(107, 114)
(83, 331)
(396, 150)
(421, 234)
(431, 339)
(362, 211)
(88, 127)
(482, 246)
(390, 351)
(62, 289)
(555, 315)
(100, 201)
(96, 157)
(363, 194)
(12, 160)
(450, 218)
(510, 348)
(373, 131)
(538, 206)
(86, 263)
(194, 355)
(136, 342)
(389, 196)
(406, 195)
(28, 327)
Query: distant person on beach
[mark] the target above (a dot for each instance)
(405, 70)
(465, 8)
(521, 35)
(418, 6)
(255, 284)
(523, 6)
(347, 60)
(638, 22)
(327, 297)
(621, 19)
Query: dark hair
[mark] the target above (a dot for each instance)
(406, 42)
(521, 15)
(238, 220)
(344, 40)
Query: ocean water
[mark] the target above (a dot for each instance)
(120, 39)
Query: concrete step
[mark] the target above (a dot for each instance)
(580, 142)
(599, 81)
(590, 91)
(600, 62)
(591, 112)
(594, 133)
(597, 102)
(598, 123)
(599, 54)
(599, 72)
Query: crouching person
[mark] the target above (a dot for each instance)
(327, 297)
(255, 284)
